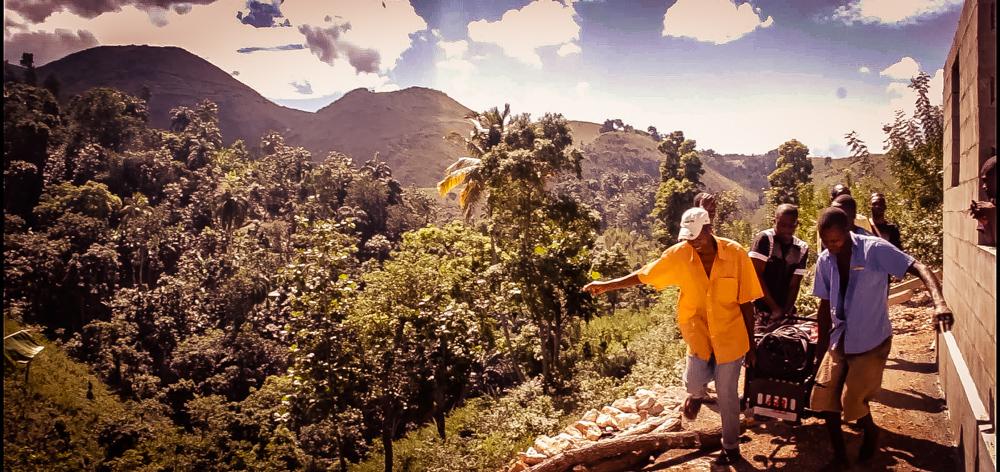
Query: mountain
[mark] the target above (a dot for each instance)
(174, 77)
(409, 129)
(839, 171)
(621, 151)
(417, 131)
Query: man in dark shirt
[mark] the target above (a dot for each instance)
(847, 204)
(779, 258)
(985, 211)
(881, 226)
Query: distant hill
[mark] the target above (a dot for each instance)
(826, 176)
(417, 131)
(174, 77)
(620, 151)
(407, 127)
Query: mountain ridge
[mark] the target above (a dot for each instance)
(412, 129)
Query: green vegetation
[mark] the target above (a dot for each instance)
(617, 354)
(249, 307)
(680, 181)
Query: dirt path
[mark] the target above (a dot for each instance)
(910, 410)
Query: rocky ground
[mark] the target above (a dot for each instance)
(910, 409)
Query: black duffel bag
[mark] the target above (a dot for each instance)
(783, 354)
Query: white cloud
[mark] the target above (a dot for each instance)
(520, 33)
(568, 48)
(454, 49)
(384, 29)
(891, 12)
(582, 88)
(213, 33)
(864, 70)
(905, 69)
(712, 21)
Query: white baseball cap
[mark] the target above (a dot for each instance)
(693, 220)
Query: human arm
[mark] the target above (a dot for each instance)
(793, 292)
(895, 262)
(943, 318)
(599, 287)
(777, 312)
(824, 322)
(759, 250)
(795, 284)
(748, 320)
(979, 209)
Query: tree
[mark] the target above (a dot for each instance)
(915, 147)
(32, 126)
(415, 316)
(680, 181)
(467, 171)
(28, 62)
(793, 169)
(51, 84)
(541, 239)
(331, 378)
(859, 150)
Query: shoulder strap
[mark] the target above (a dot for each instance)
(875, 230)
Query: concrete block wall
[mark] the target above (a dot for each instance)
(970, 269)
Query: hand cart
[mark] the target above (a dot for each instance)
(784, 396)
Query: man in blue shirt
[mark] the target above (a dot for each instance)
(855, 334)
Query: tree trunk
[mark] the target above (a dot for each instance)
(341, 453)
(505, 323)
(439, 406)
(547, 374)
(624, 452)
(387, 444)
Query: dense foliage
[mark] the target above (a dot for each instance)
(680, 181)
(252, 307)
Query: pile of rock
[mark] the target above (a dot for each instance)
(642, 412)
(913, 315)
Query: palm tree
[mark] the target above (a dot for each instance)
(467, 171)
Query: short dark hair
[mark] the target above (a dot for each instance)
(839, 189)
(701, 197)
(832, 218)
(989, 166)
(787, 209)
(846, 200)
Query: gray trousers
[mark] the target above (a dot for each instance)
(727, 376)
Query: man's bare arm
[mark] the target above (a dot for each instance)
(943, 318)
(793, 292)
(758, 267)
(748, 320)
(825, 323)
(599, 287)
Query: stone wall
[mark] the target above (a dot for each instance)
(970, 269)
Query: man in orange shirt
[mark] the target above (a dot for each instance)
(715, 314)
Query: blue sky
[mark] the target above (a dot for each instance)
(737, 77)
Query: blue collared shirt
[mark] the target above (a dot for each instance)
(862, 316)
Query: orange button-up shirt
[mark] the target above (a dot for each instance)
(708, 312)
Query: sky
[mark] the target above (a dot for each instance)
(736, 76)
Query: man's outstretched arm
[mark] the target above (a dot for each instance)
(599, 287)
(943, 319)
